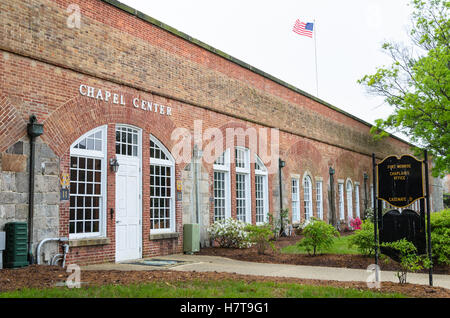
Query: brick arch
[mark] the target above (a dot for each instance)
(82, 114)
(304, 156)
(349, 165)
(12, 126)
(228, 143)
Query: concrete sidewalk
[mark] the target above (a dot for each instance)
(202, 263)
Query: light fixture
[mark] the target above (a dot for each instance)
(331, 171)
(281, 163)
(114, 164)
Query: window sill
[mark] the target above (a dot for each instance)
(163, 236)
(89, 241)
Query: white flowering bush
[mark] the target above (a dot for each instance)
(306, 222)
(229, 233)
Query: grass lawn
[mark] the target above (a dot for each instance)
(200, 289)
(340, 246)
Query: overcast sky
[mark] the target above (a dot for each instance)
(349, 34)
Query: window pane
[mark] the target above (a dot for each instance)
(160, 197)
(241, 197)
(307, 187)
(260, 198)
(84, 194)
(219, 195)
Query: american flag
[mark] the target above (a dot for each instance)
(303, 28)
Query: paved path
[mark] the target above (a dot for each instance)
(202, 263)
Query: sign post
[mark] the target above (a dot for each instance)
(375, 212)
(427, 189)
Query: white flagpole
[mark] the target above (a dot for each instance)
(315, 53)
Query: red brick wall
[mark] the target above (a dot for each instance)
(121, 48)
(43, 63)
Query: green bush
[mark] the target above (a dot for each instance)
(318, 236)
(229, 233)
(261, 235)
(440, 236)
(363, 239)
(409, 260)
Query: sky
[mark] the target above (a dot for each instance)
(347, 42)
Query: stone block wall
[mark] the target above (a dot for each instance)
(14, 192)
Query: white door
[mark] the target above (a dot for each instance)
(128, 211)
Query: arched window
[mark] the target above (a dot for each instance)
(341, 200)
(243, 197)
(162, 185)
(222, 206)
(357, 207)
(88, 184)
(307, 188)
(295, 191)
(349, 199)
(261, 191)
(319, 200)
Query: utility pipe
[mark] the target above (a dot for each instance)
(38, 250)
(34, 130)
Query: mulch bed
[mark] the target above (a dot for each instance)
(328, 260)
(40, 276)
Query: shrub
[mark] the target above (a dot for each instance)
(409, 260)
(363, 239)
(261, 235)
(318, 236)
(229, 233)
(440, 236)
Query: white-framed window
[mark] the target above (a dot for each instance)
(243, 198)
(371, 196)
(162, 185)
(261, 191)
(349, 199)
(87, 203)
(319, 200)
(127, 141)
(357, 207)
(307, 197)
(341, 200)
(222, 203)
(295, 190)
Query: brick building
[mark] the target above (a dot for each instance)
(112, 85)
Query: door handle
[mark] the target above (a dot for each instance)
(117, 222)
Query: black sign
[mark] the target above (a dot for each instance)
(400, 181)
(407, 225)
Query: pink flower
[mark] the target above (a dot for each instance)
(356, 223)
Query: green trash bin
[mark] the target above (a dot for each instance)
(16, 252)
(191, 238)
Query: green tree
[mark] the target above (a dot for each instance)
(417, 84)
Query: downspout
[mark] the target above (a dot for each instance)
(366, 201)
(332, 196)
(281, 164)
(196, 155)
(34, 130)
